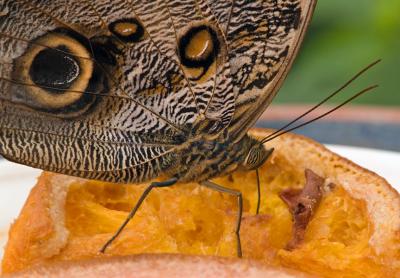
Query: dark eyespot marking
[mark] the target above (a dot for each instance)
(127, 30)
(64, 77)
(198, 48)
(55, 68)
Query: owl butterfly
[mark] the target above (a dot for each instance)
(125, 91)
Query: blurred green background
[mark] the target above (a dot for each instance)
(344, 36)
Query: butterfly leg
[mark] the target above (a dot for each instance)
(167, 183)
(238, 194)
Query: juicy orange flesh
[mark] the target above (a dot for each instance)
(190, 219)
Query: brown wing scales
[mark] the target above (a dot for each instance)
(263, 37)
(136, 78)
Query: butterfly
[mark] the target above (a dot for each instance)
(126, 91)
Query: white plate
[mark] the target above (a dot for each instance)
(16, 180)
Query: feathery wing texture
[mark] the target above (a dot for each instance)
(263, 38)
(109, 89)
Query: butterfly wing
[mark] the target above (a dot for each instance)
(78, 99)
(109, 89)
(263, 38)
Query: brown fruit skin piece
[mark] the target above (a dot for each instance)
(303, 204)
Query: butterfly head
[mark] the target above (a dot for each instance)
(256, 156)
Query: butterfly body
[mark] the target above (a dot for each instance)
(206, 158)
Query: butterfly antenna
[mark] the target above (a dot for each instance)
(355, 77)
(269, 138)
